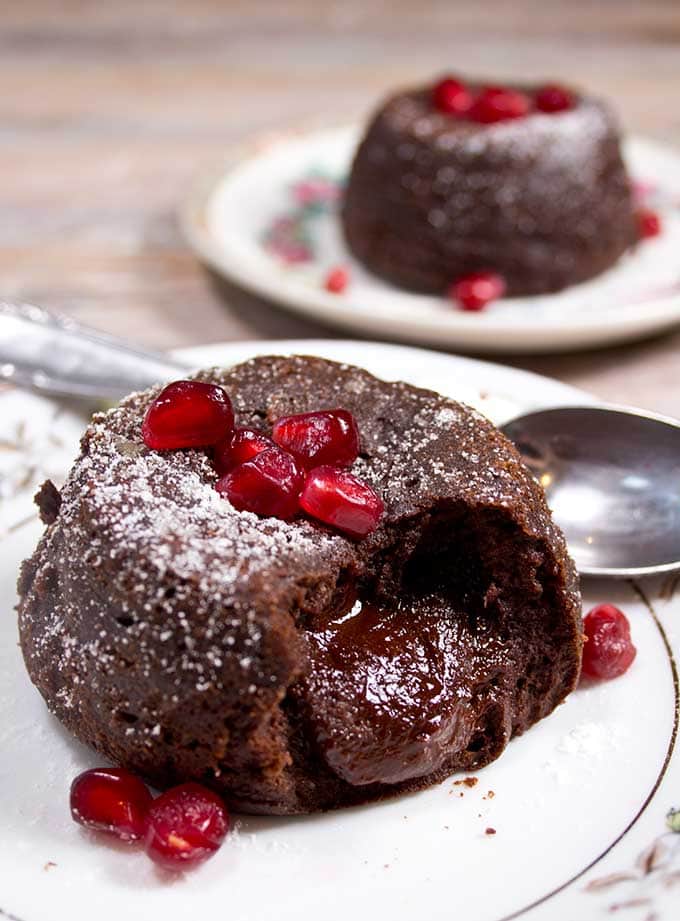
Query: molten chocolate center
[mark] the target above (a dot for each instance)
(390, 692)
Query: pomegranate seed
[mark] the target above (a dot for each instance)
(608, 651)
(187, 414)
(476, 290)
(338, 498)
(241, 446)
(451, 97)
(185, 826)
(111, 800)
(269, 484)
(553, 98)
(326, 437)
(649, 223)
(496, 104)
(337, 280)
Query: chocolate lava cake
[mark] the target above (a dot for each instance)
(542, 199)
(288, 667)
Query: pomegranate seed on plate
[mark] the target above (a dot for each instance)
(241, 446)
(185, 826)
(451, 97)
(608, 651)
(476, 290)
(496, 104)
(269, 484)
(326, 437)
(337, 280)
(649, 223)
(111, 800)
(338, 498)
(553, 98)
(188, 414)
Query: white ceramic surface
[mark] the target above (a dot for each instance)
(578, 803)
(281, 196)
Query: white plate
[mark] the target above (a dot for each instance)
(272, 200)
(578, 798)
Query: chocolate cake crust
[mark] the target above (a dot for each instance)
(543, 200)
(284, 665)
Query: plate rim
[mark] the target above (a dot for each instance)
(298, 346)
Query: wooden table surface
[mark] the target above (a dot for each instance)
(109, 111)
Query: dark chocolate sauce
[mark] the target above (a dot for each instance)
(389, 692)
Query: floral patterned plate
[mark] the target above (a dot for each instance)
(574, 821)
(270, 223)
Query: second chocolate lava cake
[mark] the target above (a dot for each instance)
(544, 200)
(291, 668)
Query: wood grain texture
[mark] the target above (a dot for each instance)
(108, 111)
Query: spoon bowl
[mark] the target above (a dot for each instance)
(612, 480)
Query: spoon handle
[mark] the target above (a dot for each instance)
(54, 355)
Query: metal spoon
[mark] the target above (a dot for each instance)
(54, 355)
(612, 479)
(612, 476)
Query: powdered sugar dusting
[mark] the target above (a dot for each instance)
(565, 143)
(590, 739)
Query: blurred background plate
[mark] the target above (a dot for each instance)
(270, 224)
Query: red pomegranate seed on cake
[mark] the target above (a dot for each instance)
(553, 98)
(649, 223)
(241, 446)
(269, 484)
(476, 290)
(111, 800)
(329, 436)
(188, 414)
(338, 498)
(608, 651)
(496, 104)
(185, 826)
(451, 97)
(337, 280)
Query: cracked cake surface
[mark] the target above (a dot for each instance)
(287, 666)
